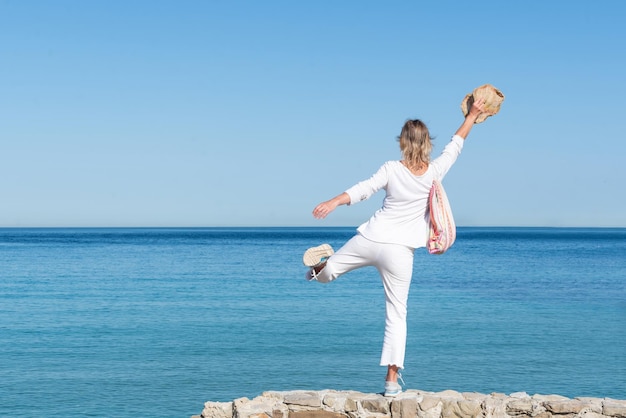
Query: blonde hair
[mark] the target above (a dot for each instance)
(415, 143)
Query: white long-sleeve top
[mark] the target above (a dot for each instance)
(403, 218)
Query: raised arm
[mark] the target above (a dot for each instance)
(470, 119)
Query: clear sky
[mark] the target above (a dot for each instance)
(233, 113)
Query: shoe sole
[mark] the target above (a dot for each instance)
(313, 256)
(392, 394)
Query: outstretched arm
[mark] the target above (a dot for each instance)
(470, 119)
(324, 208)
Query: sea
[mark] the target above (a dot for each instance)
(128, 322)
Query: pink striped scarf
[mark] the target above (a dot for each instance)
(442, 226)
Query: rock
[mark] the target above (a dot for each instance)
(614, 408)
(494, 406)
(335, 401)
(461, 408)
(520, 407)
(564, 406)
(377, 404)
(430, 407)
(404, 407)
(303, 398)
(429, 402)
(473, 396)
(259, 407)
(217, 410)
(549, 397)
(413, 404)
(453, 394)
(316, 414)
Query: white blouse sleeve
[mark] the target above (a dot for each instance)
(366, 188)
(448, 156)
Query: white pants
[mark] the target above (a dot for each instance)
(395, 265)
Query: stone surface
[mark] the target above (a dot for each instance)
(461, 408)
(376, 404)
(565, 407)
(412, 404)
(520, 407)
(494, 406)
(614, 408)
(316, 414)
(218, 409)
(404, 407)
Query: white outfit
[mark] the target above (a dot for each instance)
(388, 239)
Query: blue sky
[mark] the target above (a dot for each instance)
(215, 113)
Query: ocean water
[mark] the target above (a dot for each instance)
(154, 322)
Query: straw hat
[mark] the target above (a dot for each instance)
(493, 99)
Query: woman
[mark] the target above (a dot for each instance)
(388, 239)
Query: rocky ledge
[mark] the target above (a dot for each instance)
(412, 404)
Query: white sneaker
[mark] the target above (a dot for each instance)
(317, 255)
(392, 389)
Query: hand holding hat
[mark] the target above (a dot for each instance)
(493, 99)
